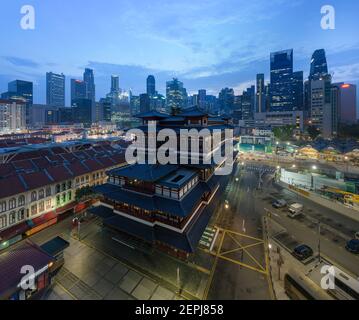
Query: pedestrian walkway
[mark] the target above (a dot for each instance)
(92, 275)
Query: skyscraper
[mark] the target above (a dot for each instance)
(318, 65)
(151, 85)
(345, 102)
(226, 100)
(115, 84)
(12, 116)
(145, 103)
(202, 99)
(83, 111)
(281, 82)
(212, 103)
(21, 89)
(298, 91)
(78, 90)
(89, 79)
(318, 70)
(176, 95)
(261, 98)
(55, 89)
(248, 103)
(321, 105)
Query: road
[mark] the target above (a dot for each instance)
(246, 208)
(332, 239)
(238, 274)
(336, 229)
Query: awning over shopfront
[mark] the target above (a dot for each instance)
(14, 231)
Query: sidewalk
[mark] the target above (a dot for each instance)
(91, 275)
(330, 204)
(277, 281)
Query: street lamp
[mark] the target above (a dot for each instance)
(314, 167)
(319, 244)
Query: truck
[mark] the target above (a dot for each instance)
(295, 210)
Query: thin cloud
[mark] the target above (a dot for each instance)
(21, 62)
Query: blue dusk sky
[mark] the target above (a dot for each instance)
(207, 44)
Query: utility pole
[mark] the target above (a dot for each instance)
(319, 253)
(179, 281)
(280, 262)
(78, 229)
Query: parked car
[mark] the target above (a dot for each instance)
(353, 246)
(302, 252)
(295, 210)
(279, 203)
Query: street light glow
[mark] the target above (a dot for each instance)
(314, 168)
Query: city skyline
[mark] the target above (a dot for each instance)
(205, 60)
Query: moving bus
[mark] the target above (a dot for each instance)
(300, 287)
(346, 287)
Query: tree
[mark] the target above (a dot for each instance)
(284, 133)
(85, 193)
(313, 132)
(175, 110)
(349, 131)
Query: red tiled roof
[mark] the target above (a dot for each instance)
(78, 169)
(81, 155)
(36, 179)
(58, 150)
(106, 162)
(11, 186)
(91, 153)
(69, 157)
(59, 173)
(44, 152)
(26, 156)
(24, 165)
(119, 158)
(93, 165)
(55, 157)
(41, 163)
(6, 170)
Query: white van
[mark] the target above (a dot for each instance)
(295, 210)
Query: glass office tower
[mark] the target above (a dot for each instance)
(281, 80)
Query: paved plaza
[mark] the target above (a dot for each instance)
(91, 275)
